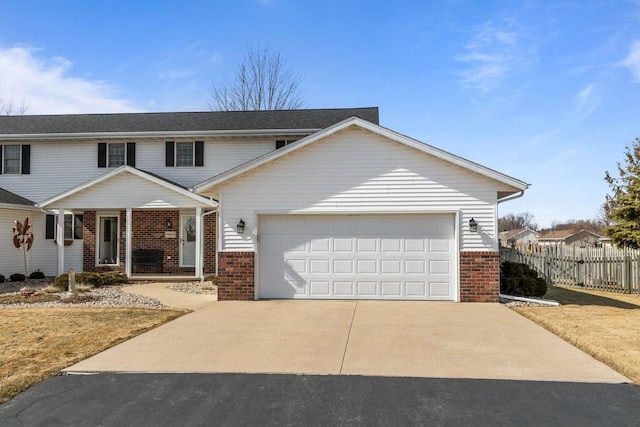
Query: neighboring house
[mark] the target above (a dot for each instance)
(522, 236)
(279, 204)
(581, 238)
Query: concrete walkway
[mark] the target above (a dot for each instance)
(389, 338)
(171, 298)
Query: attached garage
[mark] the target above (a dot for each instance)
(357, 211)
(408, 257)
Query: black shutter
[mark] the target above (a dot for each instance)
(131, 154)
(26, 160)
(50, 231)
(199, 153)
(1, 163)
(170, 154)
(78, 220)
(102, 154)
(280, 144)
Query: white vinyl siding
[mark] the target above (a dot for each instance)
(58, 166)
(42, 255)
(356, 171)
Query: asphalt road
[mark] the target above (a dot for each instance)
(243, 399)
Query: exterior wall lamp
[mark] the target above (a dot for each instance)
(240, 227)
(473, 225)
(169, 224)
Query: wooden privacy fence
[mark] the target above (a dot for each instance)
(606, 268)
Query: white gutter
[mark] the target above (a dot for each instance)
(157, 134)
(513, 197)
(536, 301)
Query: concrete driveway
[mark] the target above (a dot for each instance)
(380, 338)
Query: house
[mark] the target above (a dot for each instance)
(322, 203)
(580, 238)
(521, 236)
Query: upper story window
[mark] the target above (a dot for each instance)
(116, 154)
(284, 142)
(12, 159)
(184, 154)
(15, 159)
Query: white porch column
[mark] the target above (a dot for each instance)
(60, 241)
(127, 243)
(199, 250)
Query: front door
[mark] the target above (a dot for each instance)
(187, 241)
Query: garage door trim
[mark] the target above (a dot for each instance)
(456, 237)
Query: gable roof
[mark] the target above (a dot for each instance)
(309, 120)
(163, 182)
(9, 198)
(563, 234)
(516, 184)
(506, 235)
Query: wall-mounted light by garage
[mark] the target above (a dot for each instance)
(240, 227)
(473, 225)
(169, 224)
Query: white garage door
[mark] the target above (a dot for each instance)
(357, 257)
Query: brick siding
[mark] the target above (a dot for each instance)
(235, 276)
(148, 232)
(479, 276)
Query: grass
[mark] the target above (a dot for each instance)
(36, 343)
(603, 324)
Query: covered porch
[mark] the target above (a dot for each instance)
(139, 224)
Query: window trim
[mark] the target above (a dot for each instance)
(104, 158)
(3, 159)
(171, 154)
(77, 222)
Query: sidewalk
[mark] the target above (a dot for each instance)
(170, 297)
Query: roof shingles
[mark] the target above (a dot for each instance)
(186, 121)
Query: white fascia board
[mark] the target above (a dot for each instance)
(134, 171)
(376, 129)
(19, 207)
(155, 134)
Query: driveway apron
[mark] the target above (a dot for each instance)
(386, 338)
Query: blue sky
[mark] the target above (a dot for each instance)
(546, 91)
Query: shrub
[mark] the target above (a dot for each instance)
(17, 277)
(36, 275)
(1, 278)
(62, 282)
(520, 280)
(97, 280)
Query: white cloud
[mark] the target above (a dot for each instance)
(47, 86)
(494, 52)
(632, 61)
(586, 101)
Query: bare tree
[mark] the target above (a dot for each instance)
(10, 108)
(263, 81)
(517, 222)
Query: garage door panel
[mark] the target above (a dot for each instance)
(343, 288)
(391, 289)
(343, 245)
(351, 256)
(320, 245)
(390, 245)
(319, 288)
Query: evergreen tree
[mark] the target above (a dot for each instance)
(623, 205)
